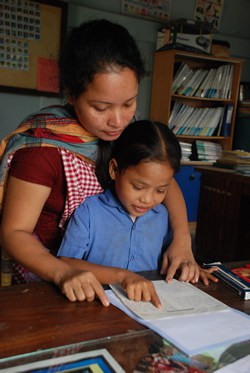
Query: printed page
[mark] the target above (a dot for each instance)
(177, 298)
(241, 366)
(193, 333)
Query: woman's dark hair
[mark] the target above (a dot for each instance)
(141, 141)
(93, 47)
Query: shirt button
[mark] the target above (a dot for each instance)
(132, 259)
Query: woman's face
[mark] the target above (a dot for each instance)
(108, 105)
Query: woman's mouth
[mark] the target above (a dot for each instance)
(113, 134)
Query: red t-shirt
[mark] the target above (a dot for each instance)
(44, 166)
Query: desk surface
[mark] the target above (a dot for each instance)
(228, 173)
(38, 317)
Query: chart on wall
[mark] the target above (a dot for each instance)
(209, 11)
(30, 37)
(19, 23)
(157, 10)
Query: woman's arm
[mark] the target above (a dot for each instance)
(179, 254)
(138, 288)
(22, 207)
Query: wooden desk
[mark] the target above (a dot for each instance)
(38, 317)
(223, 223)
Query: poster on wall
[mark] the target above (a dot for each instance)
(154, 10)
(19, 24)
(209, 11)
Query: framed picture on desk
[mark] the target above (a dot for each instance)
(97, 361)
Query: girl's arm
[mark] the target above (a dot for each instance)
(23, 205)
(137, 287)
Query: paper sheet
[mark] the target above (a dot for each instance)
(241, 366)
(177, 298)
(192, 332)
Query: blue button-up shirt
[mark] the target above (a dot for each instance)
(102, 232)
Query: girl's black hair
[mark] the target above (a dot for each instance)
(93, 47)
(141, 141)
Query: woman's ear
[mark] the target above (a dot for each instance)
(113, 169)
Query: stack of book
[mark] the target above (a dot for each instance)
(186, 151)
(192, 121)
(206, 83)
(237, 278)
(206, 151)
(235, 160)
(209, 121)
(244, 95)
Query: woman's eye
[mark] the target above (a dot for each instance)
(100, 108)
(129, 104)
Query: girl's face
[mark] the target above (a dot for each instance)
(140, 188)
(108, 105)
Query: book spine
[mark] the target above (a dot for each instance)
(242, 293)
(231, 279)
(227, 119)
(6, 269)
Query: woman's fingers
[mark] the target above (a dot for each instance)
(81, 286)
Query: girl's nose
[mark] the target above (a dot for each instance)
(146, 197)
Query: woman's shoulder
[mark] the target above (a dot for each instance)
(37, 151)
(37, 164)
(37, 155)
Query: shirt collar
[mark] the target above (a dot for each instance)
(109, 198)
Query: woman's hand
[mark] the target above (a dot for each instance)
(179, 254)
(140, 289)
(206, 275)
(180, 257)
(82, 285)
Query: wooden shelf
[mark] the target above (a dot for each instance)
(193, 98)
(166, 64)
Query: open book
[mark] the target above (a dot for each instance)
(190, 319)
(177, 298)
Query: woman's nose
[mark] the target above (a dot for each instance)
(117, 119)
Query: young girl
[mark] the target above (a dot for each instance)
(125, 227)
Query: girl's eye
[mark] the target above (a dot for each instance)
(136, 187)
(161, 191)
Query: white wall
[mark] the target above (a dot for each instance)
(234, 28)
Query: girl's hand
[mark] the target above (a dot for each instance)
(140, 289)
(82, 285)
(206, 275)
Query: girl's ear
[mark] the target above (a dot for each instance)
(113, 169)
(71, 100)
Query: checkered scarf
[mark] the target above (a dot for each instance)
(57, 127)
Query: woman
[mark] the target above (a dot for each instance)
(52, 169)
